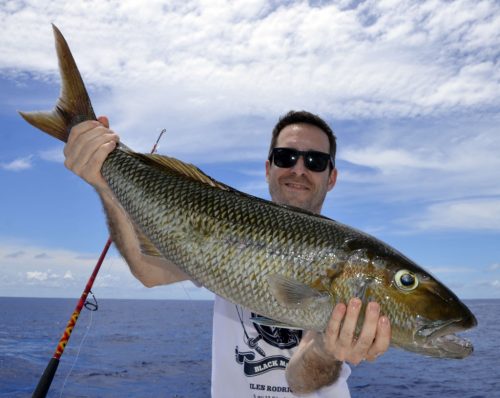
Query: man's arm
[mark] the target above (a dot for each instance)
(88, 146)
(318, 359)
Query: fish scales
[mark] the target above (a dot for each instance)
(223, 240)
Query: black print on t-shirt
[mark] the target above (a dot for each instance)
(278, 337)
(255, 367)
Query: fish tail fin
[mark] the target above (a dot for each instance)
(73, 105)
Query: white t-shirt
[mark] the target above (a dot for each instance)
(249, 360)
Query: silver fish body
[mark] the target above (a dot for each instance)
(281, 262)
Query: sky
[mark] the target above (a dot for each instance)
(411, 89)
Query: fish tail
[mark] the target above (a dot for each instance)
(73, 105)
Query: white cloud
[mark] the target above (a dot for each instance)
(52, 155)
(41, 268)
(37, 276)
(421, 163)
(19, 164)
(64, 273)
(195, 67)
(482, 214)
(387, 160)
(495, 284)
(214, 59)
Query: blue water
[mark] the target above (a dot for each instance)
(141, 348)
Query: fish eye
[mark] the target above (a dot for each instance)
(406, 280)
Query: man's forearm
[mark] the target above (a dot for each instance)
(311, 368)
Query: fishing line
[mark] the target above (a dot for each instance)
(250, 342)
(186, 291)
(92, 307)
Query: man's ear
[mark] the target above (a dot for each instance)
(332, 179)
(268, 168)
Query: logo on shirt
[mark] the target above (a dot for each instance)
(274, 336)
(278, 337)
(252, 367)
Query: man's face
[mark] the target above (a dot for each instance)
(298, 186)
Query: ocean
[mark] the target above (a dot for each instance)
(155, 348)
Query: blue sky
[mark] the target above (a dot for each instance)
(412, 90)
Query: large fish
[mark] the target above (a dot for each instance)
(287, 264)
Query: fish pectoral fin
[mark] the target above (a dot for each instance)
(294, 294)
(263, 321)
(147, 247)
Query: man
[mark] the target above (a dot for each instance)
(248, 359)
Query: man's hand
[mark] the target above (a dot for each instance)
(318, 359)
(89, 143)
(339, 338)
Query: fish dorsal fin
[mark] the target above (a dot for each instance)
(294, 294)
(185, 169)
(188, 170)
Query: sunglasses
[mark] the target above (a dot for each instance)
(313, 160)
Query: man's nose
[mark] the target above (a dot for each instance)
(299, 168)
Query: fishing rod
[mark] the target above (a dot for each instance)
(45, 381)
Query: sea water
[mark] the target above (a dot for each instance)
(155, 348)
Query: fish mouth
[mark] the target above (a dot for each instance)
(441, 340)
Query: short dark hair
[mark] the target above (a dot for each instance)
(294, 117)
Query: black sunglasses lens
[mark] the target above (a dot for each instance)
(285, 157)
(316, 161)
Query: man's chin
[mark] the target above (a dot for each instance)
(305, 202)
(302, 204)
(291, 197)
